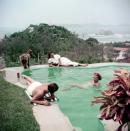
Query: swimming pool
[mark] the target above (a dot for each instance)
(75, 102)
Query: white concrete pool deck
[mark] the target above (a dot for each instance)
(51, 118)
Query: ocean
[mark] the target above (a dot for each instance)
(108, 38)
(103, 33)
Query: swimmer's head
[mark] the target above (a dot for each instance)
(97, 76)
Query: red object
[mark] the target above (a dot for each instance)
(18, 75)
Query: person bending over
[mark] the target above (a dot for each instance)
(41, 94)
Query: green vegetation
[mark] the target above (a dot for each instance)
(46, 38)
(15, 109)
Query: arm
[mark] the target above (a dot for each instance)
(38, 99)
(74, 86)
(50, 65)
(79, 86)
(52, 96)
(53, 65)
(59, 62)
(83, 65)
(82, 86)
(42, 102)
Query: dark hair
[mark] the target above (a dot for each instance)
(98, 75)
(52, 87)
(29, 52)
(50, 55)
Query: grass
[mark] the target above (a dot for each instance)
(15, 109)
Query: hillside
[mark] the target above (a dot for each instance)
(44, 38)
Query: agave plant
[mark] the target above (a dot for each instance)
(115, 101)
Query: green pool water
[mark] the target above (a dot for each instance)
(76, 103)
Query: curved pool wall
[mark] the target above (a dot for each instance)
(74, 102)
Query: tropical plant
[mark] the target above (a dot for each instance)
(116, 100)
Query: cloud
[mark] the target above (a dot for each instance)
(16, 13)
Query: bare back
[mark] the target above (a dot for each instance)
(40, 91)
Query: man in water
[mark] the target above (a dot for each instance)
(94, 83)
(39, 92)
(96, 78)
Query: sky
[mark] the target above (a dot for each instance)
(22, 13)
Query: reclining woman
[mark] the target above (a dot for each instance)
(41, 93)
(57, 60)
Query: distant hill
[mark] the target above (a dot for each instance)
(94, 28)
(44, 38)
(120, 33)
(117, 33)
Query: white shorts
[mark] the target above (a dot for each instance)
(33, 86)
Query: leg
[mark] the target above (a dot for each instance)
(84, 65)
(28, 79)
(38, 99)
(28, 63)
(24, 63)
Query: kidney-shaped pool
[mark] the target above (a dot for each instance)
(76, 102)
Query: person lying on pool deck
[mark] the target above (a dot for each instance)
(94, 83)
(57, 60)
(41, 94)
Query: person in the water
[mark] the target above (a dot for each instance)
(96, 78)
(94, 83)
